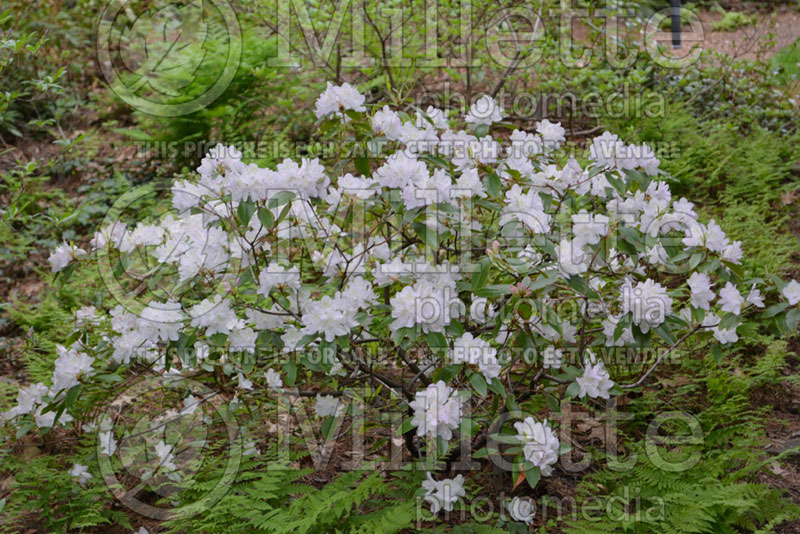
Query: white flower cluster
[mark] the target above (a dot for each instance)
(443, 494)
(70, 366)
(540, 446)
(437, 411)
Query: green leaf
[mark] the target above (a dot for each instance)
(290, 370)
(284, 212)
(280, 198)
(775, 309)
(437, 341)
(479, 278)
(427, 235)
(532, 475)
(479, 383)
(792, 318)
(550, 278)
(266, 217)
(665, 332)
(642, 339)
(406, 426)
(716, 352)
(729, 321)
(362, 166)
(508, 439)
(492, 184)
(245, 211)
(447, 373)
(494, 290)
(573, 390)
(497, 387)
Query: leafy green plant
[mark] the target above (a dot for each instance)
(270, 497)
(732, 21)
(61, 504)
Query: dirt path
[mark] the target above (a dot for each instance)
(752, 42)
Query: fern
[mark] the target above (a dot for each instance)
(270, 497)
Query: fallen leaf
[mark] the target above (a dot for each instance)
(520, 479)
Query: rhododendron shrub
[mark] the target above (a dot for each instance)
(448, 261)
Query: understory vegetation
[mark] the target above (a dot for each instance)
(630, 397)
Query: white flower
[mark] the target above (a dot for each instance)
(326, 405)
(755, 297)
(648, 161)
(552, 357)
(388, 123)
(63, 256)
(244, 383)
(165, 456)
(724, 336)
(47, 420)
(572, 258)
(400, 170)
(522, 510)
(711, 237)
(595, 381)
(338, 98)
(216, 316)
(443, 494)
(733, 252)
(161, 321)
(540, 444)
(112, 233)
(243, 338)
(86, 315)
(437, 411)
(484, 111)
(274, 275)
(589, 229)
(648, 302)
(331, 317)
(291, 338)
(428, 303)
(700, 285)
(108, 443)
(791, 292)
(404, 308)
(142, 530)
(266, 321)
(190, 405)
(527, 208)
(27, 399)
(81, 473)
(436, 115)
(610, 327)
(69, 367)
(358, 293)
(309, 177)
(730, 299)
(468, 185)
(273, 379)
(552, 133)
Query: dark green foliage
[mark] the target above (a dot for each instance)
(43, 485)
(270, 497)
